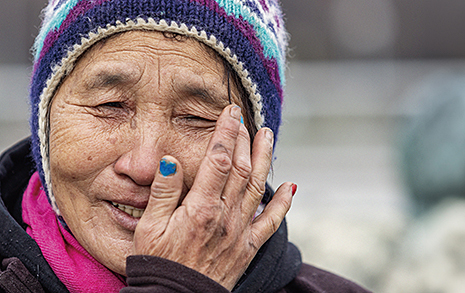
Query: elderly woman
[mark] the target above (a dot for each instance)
(153, 124)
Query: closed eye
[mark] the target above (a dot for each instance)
(112, 105)
(194, 118)
(195, 121)
(110, 110)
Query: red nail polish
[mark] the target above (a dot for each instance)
(294, 189)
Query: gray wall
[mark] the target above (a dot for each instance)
(320, 29)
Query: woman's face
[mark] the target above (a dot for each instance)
(129, 101)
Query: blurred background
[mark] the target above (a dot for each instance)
(373, 134)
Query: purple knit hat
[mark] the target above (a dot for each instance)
(249, 34)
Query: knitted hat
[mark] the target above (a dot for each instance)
(249, 34)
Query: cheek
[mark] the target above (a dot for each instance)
(73, 153)
(190, 151)
(79, 149)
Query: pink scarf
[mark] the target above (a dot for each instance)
(73, 265)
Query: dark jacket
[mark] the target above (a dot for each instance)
(277, 266)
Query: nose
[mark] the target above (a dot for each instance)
(141, 157)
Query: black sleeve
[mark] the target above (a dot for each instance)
(159, 275)
(313, 280)
(15, 278)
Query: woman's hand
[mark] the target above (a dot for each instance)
(213, 231)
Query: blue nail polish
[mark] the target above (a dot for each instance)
(167, 168)
(242, 120)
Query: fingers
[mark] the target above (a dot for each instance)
(269, 220)
(164, 196)
(241, 169)
(262, 154)
(216, 166)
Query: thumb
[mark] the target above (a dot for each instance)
(164, 197)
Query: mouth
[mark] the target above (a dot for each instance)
(130, 210)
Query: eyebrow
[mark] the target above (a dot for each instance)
(105, 79)
(206, 95)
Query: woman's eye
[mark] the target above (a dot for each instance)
(197, 118)
(110, 110)
(112, 105)
(197, 121)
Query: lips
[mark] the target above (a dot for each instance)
(130, 210)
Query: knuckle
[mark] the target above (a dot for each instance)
(221, 161)
(274, 224)
(220, 148)
(256, 186)
(243, 168)
(221, 231)
(162, 188)
(230, 130)
(207, 217)
(255, 242)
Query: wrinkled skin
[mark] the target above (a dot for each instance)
(137, 98)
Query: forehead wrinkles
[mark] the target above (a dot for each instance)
(199, 71)
(153, 45)
(153, 42)
(207, 88)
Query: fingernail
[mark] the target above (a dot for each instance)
(269, 135)
(242, 120)
(167, 168)
(236, 112)
(293, 189)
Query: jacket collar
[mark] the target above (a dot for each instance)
(16, 168)
(276, 264)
